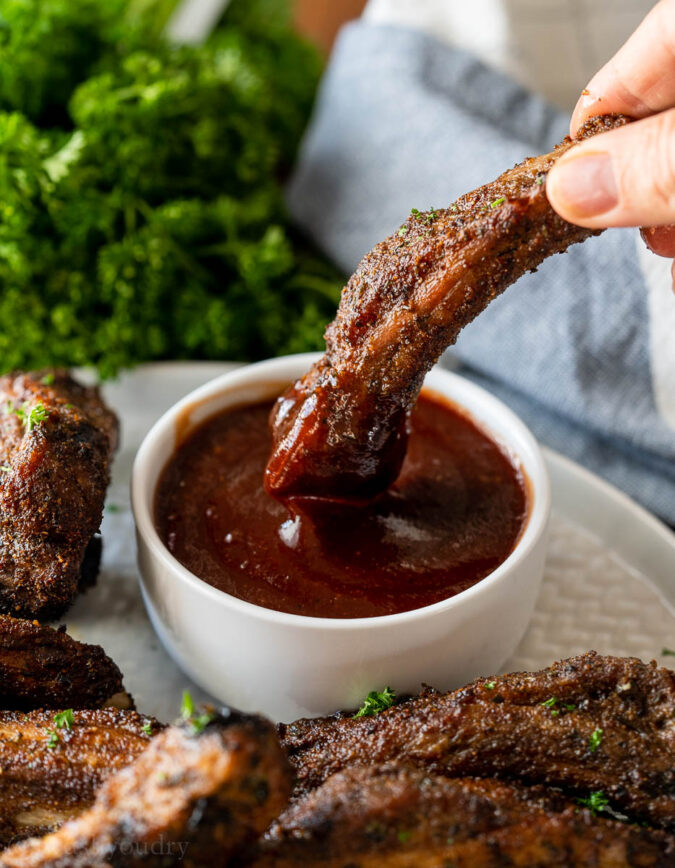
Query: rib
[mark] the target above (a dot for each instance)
(190, 798)
(609, 726)
(51, 773)
(340, 431)
(398, 815)
(45, 668)
(56, 441)
(569, 840)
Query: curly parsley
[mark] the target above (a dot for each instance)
(188, 712)
(376, 701)
(597, 802)
(64, 719)
(595, 740)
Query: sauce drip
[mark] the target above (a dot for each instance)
(452, 516)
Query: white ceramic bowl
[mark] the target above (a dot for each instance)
(287, 666)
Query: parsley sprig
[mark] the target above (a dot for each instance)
(553, 701)
(30, 419)
(64, 719)
(595, 740)
(188, 711)
(597, 802)
(376, 701)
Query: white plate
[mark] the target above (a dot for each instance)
(609, 581)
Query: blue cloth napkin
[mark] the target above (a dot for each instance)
(405, 121)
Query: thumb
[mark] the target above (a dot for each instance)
(625, 177)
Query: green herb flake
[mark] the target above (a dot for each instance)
(198, 722)
(5, 468)
(550, 703)
(403, 836)
(48, 380)
(147, 728)
(36, 416)
(490, 685)
(454, 208)
(595, 740)
(53, 739)
(113, 507)
(667, 652)
(64, 719)
(376, 701)
(498, 202)
(415, 212)
(403, 230)
(597, 802)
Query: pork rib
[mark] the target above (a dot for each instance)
(586, 724)
(340, 431)
(45, 668)
(393, 815)
(192, 798)
(52, 766)
(56, 442)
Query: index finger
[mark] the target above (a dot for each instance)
(640, 79)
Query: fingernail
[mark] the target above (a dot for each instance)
(585, 185)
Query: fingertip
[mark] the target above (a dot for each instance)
(660, 239)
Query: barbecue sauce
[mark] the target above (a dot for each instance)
(452, 516)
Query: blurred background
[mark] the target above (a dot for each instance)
(144, 145)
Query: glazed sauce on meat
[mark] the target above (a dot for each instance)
(452, 516)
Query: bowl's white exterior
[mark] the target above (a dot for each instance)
(288, 666)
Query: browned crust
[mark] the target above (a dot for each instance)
(41, 786)
(45, 668)
(52, 488)
(368, 815)
(210, 793)
(498, 727)
(340, 431)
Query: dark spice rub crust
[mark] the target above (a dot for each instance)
(608, 725)
(45, 668)
(392, 815)
(192, 798)
(56, 442)
(52, 767)
(340, 431)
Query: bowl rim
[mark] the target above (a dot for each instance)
(142, 501)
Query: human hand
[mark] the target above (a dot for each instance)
(626, 177)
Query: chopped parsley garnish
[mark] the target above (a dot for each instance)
(64, 719)
(48, 379)
(454, 208)
(415, 212)
(428, 218)
(188, 712)
(553, 701)
(667, 652)
(5, 468)
(37, 415)
(595, 740)
(597, 802)
(490, 685)
(112, 507)
(498, 202)
(402, 231)
(29, 420)
(404, 836)
(53, 739)
(540, 180)
(147, 728)
(376, 701)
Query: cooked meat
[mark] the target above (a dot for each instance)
(568, 840)
(56, 441)
(51, 772)
(389, 815)
(340, 431)
(608, 724)
(45, 668)
(190, 798)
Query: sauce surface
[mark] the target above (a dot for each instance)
(453, 515)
